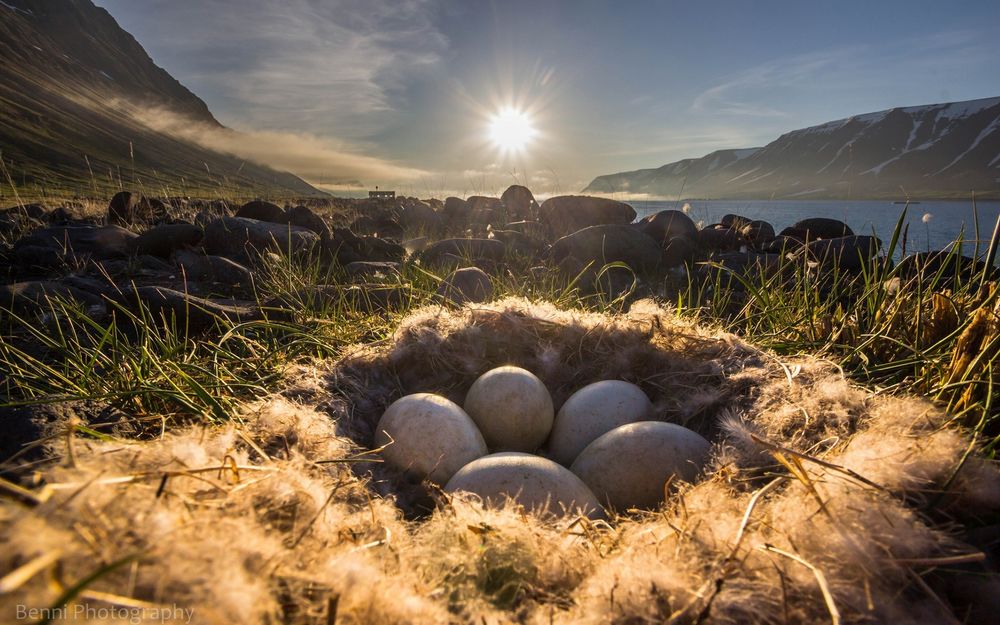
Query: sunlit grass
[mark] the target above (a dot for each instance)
(930, 336)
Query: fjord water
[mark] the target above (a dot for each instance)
(933, 225)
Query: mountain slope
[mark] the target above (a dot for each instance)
(938, 150)
(71, 81)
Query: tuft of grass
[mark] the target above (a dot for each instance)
(930, 335)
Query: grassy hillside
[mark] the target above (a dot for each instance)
(70, 81)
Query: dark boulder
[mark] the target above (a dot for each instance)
(383, 226)
(372, 269)
(56, 246)
(304, 217)
(163, 240)
(823, 228)
(466, 249)
(566, 214)
(127, 208)
(239, 238)
(521, 244)
(519, 202)
(31, 211)
(679, 251)
(34, 298)
(736, 222)
(182, 311)
(720, 238)
(667, 224)
(608, 244)
(531, 228)
(457, 212)
(201, 268)
(849, 253)
(468, 284)
(345, 247)
(782, 244)
(66, 215)
(36, 431)
(420, 218)
(263, 211)
(757, 232)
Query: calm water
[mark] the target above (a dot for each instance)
(932, 225)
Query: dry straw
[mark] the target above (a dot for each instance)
(826, 502)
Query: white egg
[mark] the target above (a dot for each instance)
(512, 409)
(629, 466)
(593, 410)
(534, 482)
(428, 436)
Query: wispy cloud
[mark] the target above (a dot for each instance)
(318, 160)
(866, 69)
(738, 94)
(329, 67)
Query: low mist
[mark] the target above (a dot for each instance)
(315, 159)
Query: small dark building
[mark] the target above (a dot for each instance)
(381, 195)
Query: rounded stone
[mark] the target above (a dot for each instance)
(534, 482)
(629, 466)
(593, 410)
(512, 409)
(428, 436)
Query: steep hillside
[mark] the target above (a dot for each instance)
(938, 150)
(70, 82)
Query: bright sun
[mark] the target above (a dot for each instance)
(511, 130)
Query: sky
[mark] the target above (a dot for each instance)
(401, 93)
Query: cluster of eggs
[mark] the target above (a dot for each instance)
(601, 447)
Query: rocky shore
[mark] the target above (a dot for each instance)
(197, 259)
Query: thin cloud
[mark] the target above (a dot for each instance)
(315, 159)
(332, 68)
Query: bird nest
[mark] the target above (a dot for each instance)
(824, 501)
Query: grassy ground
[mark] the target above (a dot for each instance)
(933, 337)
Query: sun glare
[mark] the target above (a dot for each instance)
(511, 130)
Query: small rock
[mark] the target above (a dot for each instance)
(469, 284)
